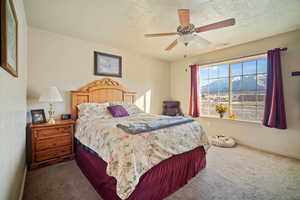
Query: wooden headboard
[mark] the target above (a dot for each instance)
(100, 91)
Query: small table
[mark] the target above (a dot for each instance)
(50, 143)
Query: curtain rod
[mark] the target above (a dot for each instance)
(258, 54)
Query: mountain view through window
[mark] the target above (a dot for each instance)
(240, 86)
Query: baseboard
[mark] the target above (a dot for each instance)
(269, 152)
(23, 184)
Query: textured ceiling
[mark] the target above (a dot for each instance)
(122, 23)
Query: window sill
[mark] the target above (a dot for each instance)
(237, 120)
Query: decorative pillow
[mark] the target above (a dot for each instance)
(117, 111)
(132, 109)
(93, 110)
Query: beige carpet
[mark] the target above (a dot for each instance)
(232, 174)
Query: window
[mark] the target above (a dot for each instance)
(240, 85)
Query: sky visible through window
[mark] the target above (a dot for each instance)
(241, 86)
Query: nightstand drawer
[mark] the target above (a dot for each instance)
(53, 132)
(53, 153)
(54, 142)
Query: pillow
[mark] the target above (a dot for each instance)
(117, 111)
(93, 110)
(132, 109)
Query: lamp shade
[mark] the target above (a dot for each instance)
(51, 94)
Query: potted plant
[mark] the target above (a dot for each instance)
(221, 109)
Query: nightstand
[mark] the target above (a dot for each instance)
(50, 143)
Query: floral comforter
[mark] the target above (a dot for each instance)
(128, 156)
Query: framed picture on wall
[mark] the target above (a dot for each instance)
(38, 116)
(9, 37)
(107, 64)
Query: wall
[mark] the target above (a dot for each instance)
(13, 117)
(67, 63)
(285, 142)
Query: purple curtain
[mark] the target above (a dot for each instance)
(194, 102)
(274, 116)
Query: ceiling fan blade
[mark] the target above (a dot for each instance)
(184, 17)
(171, 46)
(159, 34)
(221, 24)
(201, 41)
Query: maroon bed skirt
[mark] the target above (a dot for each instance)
(158, 183)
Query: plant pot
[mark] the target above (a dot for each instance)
(221, 115)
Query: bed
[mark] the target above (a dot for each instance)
(148, 166)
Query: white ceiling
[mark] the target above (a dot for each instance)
(122, 23)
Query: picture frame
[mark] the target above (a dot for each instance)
(9, 37)
(107, 64)
(38, 116)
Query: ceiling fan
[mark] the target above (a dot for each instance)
(187, 32)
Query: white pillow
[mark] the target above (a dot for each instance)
(93, 110)
(132, 109)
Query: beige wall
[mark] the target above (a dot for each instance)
(67, 63)
(13, 118)
(285, 142)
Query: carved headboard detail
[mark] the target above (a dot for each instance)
(100, 91)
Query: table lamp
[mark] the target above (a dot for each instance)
(51, 95)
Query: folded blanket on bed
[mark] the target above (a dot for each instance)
(152, 125)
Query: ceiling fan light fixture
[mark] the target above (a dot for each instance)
(186, 38)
